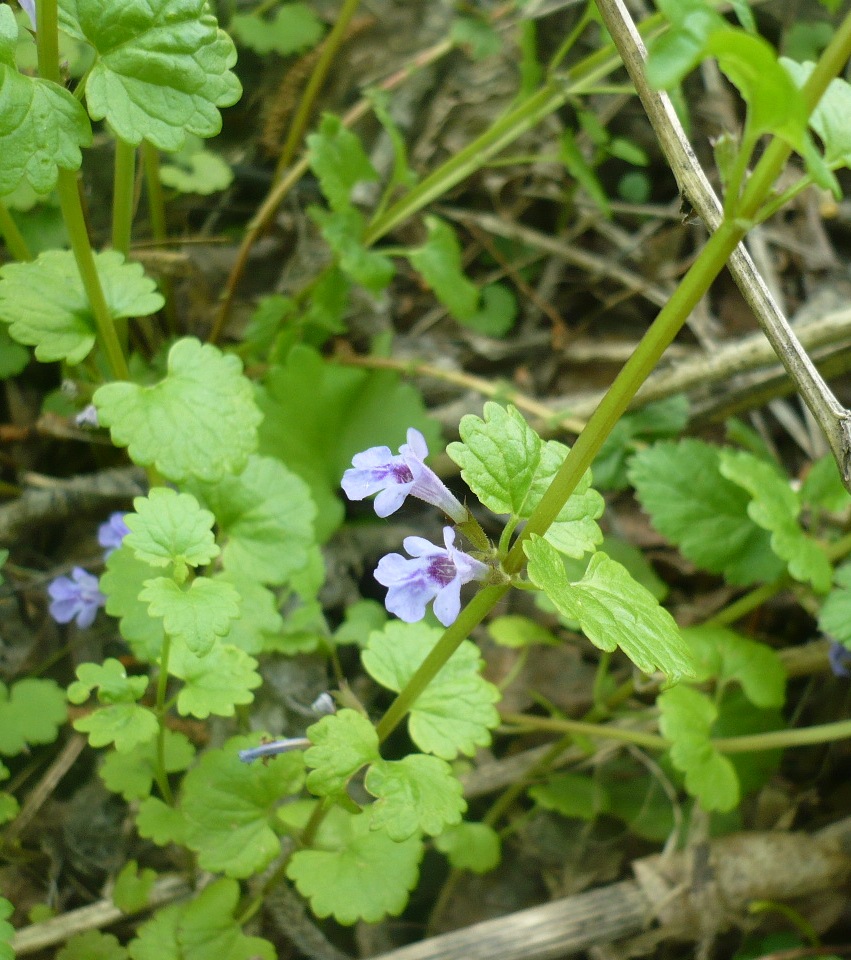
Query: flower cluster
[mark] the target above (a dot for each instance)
(433, 573)
(77, 597)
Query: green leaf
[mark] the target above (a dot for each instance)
(775, 104)
(42, 126)
(359, 620)
(7, 931)
(195, 616)
(706, 516)
(417, 794)
(343, 231)
(775, 507)
(727, 656)
(31, 712)
(230, 807)
(355, 872)
(200, 421)
(162, 69)
(200, 929)
(133, 887)
(497, 311)
(455, 713)
(124, 724)
(259, 625)
(196, 170)
(478, 37)
(498, 457)
(823, 488)
(13, 357)
(132, 773)
(265, 517)
(515, 630)
(215, 683)
(509, 468)
(686, 719)
(161, 823)
(336, 156)
(664, 418)
(439, 262)
(571, 795)
(170, 527)
(46, 306)
(835, 616)
(828, 118)
(111, 682)
(343, 743)
(122, 583)
(582, 172)
(294, 27)
(349, 411)
(678, 51)
(92, 945)
(9, 809)
(470, 846)
(612, 609)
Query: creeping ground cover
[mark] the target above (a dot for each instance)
(425, 479)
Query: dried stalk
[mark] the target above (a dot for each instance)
(833, 419)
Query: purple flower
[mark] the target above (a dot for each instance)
(840, 660)
(75, 598)
(377, 471)
(111, 533)
(434, 574)
(28, 6)
(273, 748)
(87, 417)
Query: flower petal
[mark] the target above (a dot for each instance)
(447, 603)
(390, 499)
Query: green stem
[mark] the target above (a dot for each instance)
(635, 371)
(159, 229)
(162, 688)
(330, 47)
(122, 197)
(469, 617)
(12, 236)
(47, 39)
(782, 739)
(749, 602)
(751, 743)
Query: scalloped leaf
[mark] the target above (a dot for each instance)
(163, 69)
(170, 527)
(417, 794)
(355, 872)
(196, 616)
(215, 683)
(199, 421)
(46, 306)
(456, 712)
(230, 807)
(42, 125)
(612, 609)
(265, 517)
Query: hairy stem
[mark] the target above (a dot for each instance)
(159, 229)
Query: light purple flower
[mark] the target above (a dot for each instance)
(28, 6)
(434, 573)
(111, 533)
(377, 471)
(75, 598)
(273, 748)
(88, 417)
(840, 660)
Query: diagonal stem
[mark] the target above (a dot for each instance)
(833, 419)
